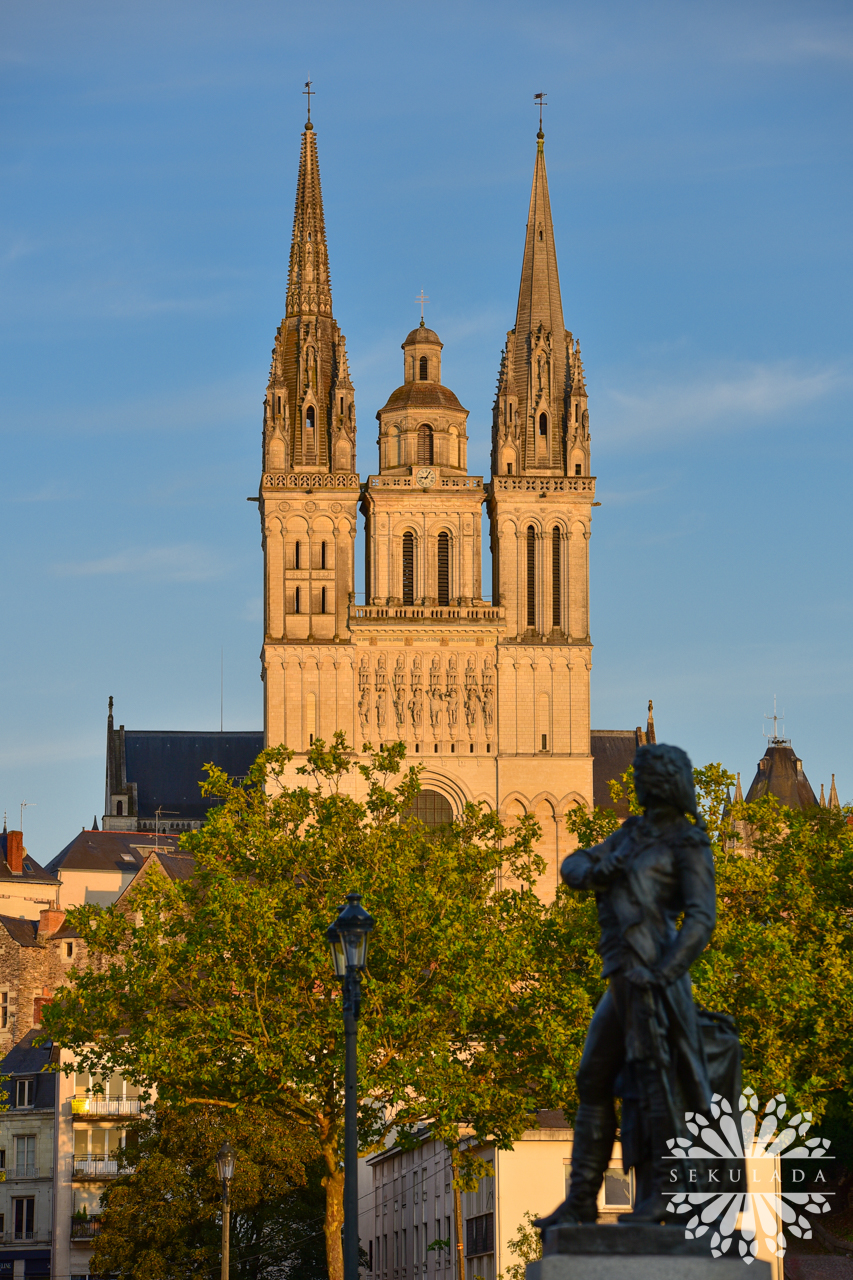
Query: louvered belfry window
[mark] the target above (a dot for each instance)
(531, 576)
(443, 569)
(556, 601)
(424, 445)
(424, 369)
(408, 568)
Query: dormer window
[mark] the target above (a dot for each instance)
(424, 369)
(25, 1093)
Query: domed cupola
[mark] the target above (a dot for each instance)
(422, 351)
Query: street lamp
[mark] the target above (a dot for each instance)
(226, 1158)
(347, 938)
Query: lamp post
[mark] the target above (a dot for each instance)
(225, 1159)
(347, 938)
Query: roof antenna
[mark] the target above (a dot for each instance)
(26, 804)
(774, 738)
(540, 98)
(307, 92)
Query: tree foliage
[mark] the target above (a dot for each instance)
(162, 1215)
(219, 989)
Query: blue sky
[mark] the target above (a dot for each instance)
(699, 165)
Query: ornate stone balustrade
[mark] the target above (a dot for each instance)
(545, 484)
(409, 482)
(427, 614)
(311, 480)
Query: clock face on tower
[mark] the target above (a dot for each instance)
(425, 477)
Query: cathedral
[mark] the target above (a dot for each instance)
(491, 696)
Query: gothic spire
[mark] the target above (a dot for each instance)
(541, 387)
(309, 289)
(539, 302)
(309, 419)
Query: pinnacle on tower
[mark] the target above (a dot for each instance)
(309, 420)
(822, 801)
(738, 792)
(834, 802)
(540, 424)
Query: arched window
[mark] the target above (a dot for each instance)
(556, 601)
(296, 601)
(119, 809)
(297, 556)
(543, 424)
(408, 568)
(424, 445)
(323, 557)
(576, 413)
(309, 431)
(443, 569)
(432, 808)
(424, 369)
(531, 576)
(279, 404)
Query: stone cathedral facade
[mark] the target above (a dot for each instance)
(491, 696)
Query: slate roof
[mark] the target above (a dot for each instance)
(33, 871)
(104, 850)
(23, 932)
(780, 773)
(613, 752)
(167, 767)
(422, 395)
(27, 1059)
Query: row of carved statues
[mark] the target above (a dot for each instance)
(398, 702)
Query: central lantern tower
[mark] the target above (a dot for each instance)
(422, 510)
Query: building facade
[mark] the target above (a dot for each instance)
(491, 696)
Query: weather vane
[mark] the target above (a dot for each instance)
(540, 98)
(422, 300)
(307, 91)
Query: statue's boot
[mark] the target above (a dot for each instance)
(595, 1129)
(653, 1205)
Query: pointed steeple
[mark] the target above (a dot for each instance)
(540, 420)
(822, 801)
(738, 792)
(834, 802)
(309, 290)
(309, 418)
(650, 723)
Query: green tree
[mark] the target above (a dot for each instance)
(161, 1216)
(219, 990)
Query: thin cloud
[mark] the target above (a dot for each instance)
(750, 395)
(185, 562)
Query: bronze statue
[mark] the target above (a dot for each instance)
(647, 1040)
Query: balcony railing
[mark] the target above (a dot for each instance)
(23, 1171)
(88, 1167)
(420, 614)
(85, 1228)
(105, 1106)
(32, 1237)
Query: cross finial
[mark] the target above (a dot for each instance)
(540, 98)
(422, 299)
(307, 92)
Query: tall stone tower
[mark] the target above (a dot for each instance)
(491, 698)
(539, 504)
(309, 489)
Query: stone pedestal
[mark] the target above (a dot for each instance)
(634, 1252)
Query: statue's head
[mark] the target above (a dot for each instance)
(663, 775)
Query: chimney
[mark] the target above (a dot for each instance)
(50, 920)
(15, 852)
